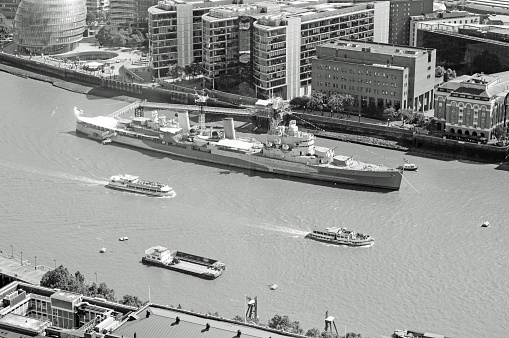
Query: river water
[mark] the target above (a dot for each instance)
(432, 267)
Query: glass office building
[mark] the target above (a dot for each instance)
(49, 26)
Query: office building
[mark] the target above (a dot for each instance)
(401, 11)
(377, 75)
(49, 26)
(472, 106)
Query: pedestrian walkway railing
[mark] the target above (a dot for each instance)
(117, 114)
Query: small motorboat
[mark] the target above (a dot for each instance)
(485, 224)
(103, 250)
(123, 238)
(273, 286)
(408, 167)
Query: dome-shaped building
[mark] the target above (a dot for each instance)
(49, 26)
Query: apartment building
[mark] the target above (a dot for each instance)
(472, 106)
(94, 6)
(175, 32)
(401, 11)
(376, 74)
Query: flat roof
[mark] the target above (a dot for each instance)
(376, 48)
(22, 322)
(161, 323)
(65, 296)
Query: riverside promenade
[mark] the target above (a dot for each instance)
(12, 268)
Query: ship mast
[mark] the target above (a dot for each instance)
(200, 101)
(280, 109)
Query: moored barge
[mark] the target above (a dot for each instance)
(198, 266)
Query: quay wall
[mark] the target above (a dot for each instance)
(331, 122)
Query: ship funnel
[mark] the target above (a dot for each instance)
(183, 119)
(229, 129)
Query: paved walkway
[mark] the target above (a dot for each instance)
(10, 266)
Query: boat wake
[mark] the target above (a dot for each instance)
(55, 174)
(286, 230)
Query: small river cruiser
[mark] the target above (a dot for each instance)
(408, 167)
(134, 184)
(341, 236)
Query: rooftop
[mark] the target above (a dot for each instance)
(375, 48)
(161, 323)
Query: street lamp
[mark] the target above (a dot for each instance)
(35, 262)
(359, 118)
(95, 277)
(12, 251)
(21, 257)
(387, 122)
(55, 263)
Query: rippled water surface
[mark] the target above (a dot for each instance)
(432, 267)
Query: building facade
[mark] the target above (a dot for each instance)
(8, 8)
(175, 33)
(472, 106)
(376, 74)
(94, 6)
(281, 37)
(436, 19)
(49, 26)
(401, 11)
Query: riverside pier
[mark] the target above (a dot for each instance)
(13, 268)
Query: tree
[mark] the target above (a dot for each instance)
(449, 74)
(56, 279)
(104, 292)
(390, 113)
(175, 71)
(439, 71)
(299, 102)
(314, 333)
(486, 62)
(238, 318)
(91, 19)
(188, 71)
(132, 301)
(500, 132)
(283, 323)
(113, 35)
(317, 100)
(5, 29)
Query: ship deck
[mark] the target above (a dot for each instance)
(195, 268)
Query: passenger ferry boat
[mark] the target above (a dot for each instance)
(190, 264)
(341, 236)
(134, 184)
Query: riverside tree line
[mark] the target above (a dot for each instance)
(60, 278)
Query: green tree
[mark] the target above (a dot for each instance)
(132, 301)
(175, 71)
(104, 292)
(390, 113)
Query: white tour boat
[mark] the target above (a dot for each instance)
(341, 236)
(134, 184)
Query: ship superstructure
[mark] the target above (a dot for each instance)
(286, 151)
